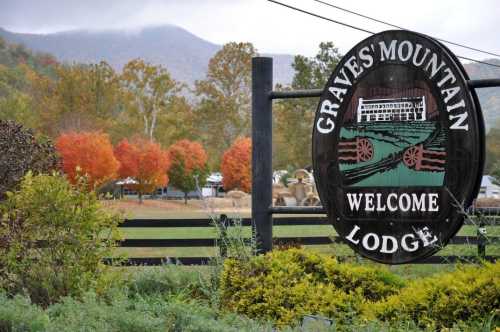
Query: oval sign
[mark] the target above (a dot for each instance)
(398, 147)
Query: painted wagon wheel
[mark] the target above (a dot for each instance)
(365, 149)
(410, 156)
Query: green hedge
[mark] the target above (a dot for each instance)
(469, 293)
(283, 286)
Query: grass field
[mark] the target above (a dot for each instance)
(196, 209)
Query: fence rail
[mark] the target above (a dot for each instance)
(486, 216)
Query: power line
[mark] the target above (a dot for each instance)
(402, 28)
(322, 17)
(361, 29)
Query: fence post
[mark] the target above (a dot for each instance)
(262, 170)
(481, 238)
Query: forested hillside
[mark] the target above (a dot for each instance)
(145, 99)
(183, 54)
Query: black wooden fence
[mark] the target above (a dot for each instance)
(484, 218)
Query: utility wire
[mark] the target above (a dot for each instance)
(399, 27)
(361, 29)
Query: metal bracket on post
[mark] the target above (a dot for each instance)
(262, 155)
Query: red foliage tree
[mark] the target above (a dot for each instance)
(145, 162)
(90, 154)
(236, 166)
(189, 161)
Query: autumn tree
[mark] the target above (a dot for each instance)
(224, 110)
(236, 166)
(189, 166)
(89, 154)
(294, 117)
(145, 162)
(150, 89)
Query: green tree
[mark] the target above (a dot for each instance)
(223, 113)
(189, 166)
(178, 122)
(294, 117)
(150, 89)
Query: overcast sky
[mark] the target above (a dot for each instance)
(270, 27)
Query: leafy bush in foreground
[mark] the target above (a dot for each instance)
(469, 293)
(53, 237)
(283, 286)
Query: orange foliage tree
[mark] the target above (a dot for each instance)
(236, 166)
(189, 162)
(89, 154)
(145, 162)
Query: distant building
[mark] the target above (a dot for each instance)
(488, 188)
(212, 188)
(396, 109)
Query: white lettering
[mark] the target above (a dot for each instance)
(433, 206)
(327, 107)
(404, 244)
(345, 80)
(387, 53)
(418, 204)
(354, 201)
(391, 207)
(404, 206)
(426, 236)
(449, 93)
(394, 247)
(350, 237)
(369, 202)
(376, 241)
(379, 201)
(448, 77)
(433, 63)
(401, 50)
(415, 55)
(352, 65)
(337, 92)
(365, 55)
(461, 103)
(325, 130)
(458, 124)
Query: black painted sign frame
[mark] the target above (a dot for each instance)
(398, 147)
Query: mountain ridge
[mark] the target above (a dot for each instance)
(184, 54)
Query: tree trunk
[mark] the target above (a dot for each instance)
(152, 124)
(140, 197)
(185, 198)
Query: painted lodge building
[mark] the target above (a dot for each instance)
(383, 104)
(393, 109)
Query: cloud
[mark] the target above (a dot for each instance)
(270, 27)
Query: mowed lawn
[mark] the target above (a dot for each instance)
(197, 209)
